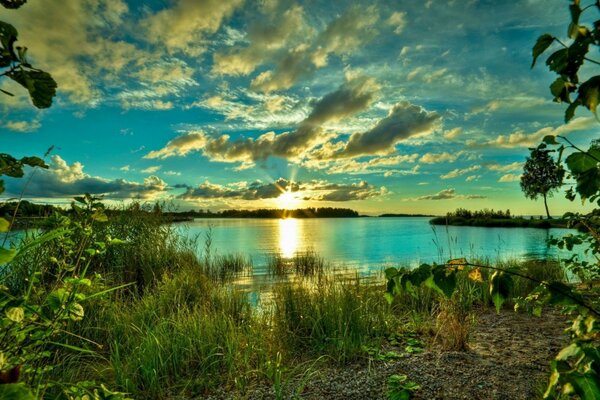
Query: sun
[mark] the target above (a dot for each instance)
(287, 201)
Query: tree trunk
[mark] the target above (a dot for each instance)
(546, 205)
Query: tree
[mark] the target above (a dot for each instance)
(541, 175)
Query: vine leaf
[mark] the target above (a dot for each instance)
(40, 84)
(540, 46)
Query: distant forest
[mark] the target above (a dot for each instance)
(27, 209)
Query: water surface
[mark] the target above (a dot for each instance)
(370, 244)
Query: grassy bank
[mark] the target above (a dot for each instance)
(183, 328)
(515, 222)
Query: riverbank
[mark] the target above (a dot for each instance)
(513, 222)
(507, 359)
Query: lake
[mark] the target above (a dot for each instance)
(370, 244)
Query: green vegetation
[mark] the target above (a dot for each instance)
(492, 218)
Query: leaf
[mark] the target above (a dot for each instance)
(560, 89)
(34, 162)
(540, 46)
(580, 162)
(587, 385)
(589, 93)
(15, 314)
(550, 139)
(570, 112)
(15, 391)
(443, 280)
(389, 272)
(558, 61)
(4, 225)
(475, 275)
(572, 350)
(40, 84)
(500, 287)
(458, 263)
(12, 4)
(7, 255)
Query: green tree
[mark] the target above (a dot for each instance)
(541, 175)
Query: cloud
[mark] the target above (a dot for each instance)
(458, 172)
(293, 49)
(183, 26)
(522, 139)
(472, 178)
(125, 168)
(354, 96)
(62, 180)
(448, 194)
(309, 191)
(152, 169)
(267, 38)
(510, 178)
(452, 133)
(517, 165)
(398, 21)
(180, 146)
(435, 158)
(405, 120)
(371, 166)
(23, 126)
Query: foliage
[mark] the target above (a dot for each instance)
(400, 388)
(576, 369)
(33, 315)
(541, 175)
(567, 61)
(13, 59)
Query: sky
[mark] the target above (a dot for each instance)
(379, 106)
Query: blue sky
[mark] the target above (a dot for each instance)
(380, 106)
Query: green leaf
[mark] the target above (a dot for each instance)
(572, 350)
(570, 112)
(4, 225)
(586, 385)
(558, 61)
(500, 288)
(550, 139)
(15, 314)
(560, 89)
(40, 84)
(15, 391)
(444, 280)
(7, 255)
(540, 46)
(589, 93)
(580, 162)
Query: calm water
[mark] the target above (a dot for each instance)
(370, 244)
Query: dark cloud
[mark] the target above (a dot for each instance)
(64, 180)
(404, 120)
(255, 191)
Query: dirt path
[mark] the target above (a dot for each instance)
(507, 360)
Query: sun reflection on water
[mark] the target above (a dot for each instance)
(289, 236)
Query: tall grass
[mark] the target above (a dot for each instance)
(332, 318)
(188, 331)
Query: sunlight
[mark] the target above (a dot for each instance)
(289, 236)
(287, 201)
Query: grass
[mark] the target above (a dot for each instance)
(186, 330)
